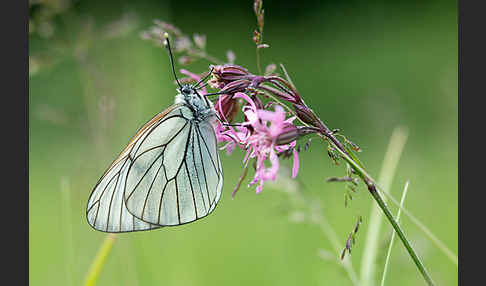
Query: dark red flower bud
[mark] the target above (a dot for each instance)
(292, 133)
(305, 114)
(236, 86)
(227, 107)
(227, 74)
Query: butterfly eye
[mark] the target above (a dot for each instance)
(186, 90)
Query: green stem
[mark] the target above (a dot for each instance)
(390, 247)
(259, 68)
(402, 236)
(326, 134)
(99, 261)
(441, 245)
(370, 183)
(390, 162)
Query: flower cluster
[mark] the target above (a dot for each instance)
(260, 135)
(267, 131)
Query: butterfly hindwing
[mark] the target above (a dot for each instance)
(106, 210)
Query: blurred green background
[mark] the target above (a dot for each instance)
(365, 67)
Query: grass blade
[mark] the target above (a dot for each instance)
(441, 245)
(99, 261)
(390, 162)
(387, 261)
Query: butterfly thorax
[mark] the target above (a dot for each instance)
(201, 107)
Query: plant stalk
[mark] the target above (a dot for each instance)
(99, 261)
(371, 185)
(390, 162)
(325, 133)
(400, 233)
(392, 239)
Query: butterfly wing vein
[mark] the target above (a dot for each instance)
(170, 175)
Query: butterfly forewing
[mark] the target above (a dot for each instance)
(167, 182)
(210, 162)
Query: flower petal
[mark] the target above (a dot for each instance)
(272, 172)
(295, 167)
(247, 98)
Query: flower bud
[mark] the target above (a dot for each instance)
(223, 75)
(291, 133)
(305, 114)
(227, 106)
(236, 86)
(233, 70)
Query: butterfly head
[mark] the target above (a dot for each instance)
(198, 103)
(187, 90)
(188, 94)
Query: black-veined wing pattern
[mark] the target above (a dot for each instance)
(169, 174)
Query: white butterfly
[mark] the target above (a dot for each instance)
(169, 174)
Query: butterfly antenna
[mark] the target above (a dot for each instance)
(203, 79)
(171, 57)
(204, 85)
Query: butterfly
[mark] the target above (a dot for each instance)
(169, 174)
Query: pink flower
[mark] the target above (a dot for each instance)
(265, 134)
(259, 135)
